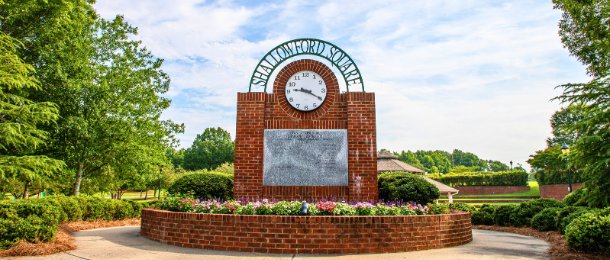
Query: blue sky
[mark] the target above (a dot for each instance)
(471, 75)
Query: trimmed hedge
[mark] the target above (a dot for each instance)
(204, 185)
(526, 210)
(566, 215)
(37, 219)
(407, 187)
(574, 198)
(549, 177)
(590, 232)
(545, 220)
(483, 216)
(503, 215)
(461, 206)
(513, 178)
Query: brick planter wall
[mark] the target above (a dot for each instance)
(308, 234)
(557, 191)
(476, 190)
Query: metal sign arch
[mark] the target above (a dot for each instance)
(306, 46)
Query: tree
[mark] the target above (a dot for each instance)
(410, 159)
(585, 32)
(497, 166)
(106, 86)
(210, 149)
(19, 118)
(567, 116)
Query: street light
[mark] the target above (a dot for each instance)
(511, 165)
(565, 149)
(160, 174)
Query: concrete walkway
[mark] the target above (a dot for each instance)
(126, 243)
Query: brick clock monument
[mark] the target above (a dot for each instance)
(307, 139)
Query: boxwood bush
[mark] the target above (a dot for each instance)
(590, 232)
(484, 215)
(204, 185)
(526, 210)
(573, 199)
(407, 187)
(563, 216)
(503, 215)
(545, 220)
(38, 219)
(461, 206)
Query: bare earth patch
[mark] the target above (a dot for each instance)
(62, 242)
(559, 250)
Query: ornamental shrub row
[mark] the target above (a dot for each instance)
(512, 178)
(548, 177)
(404, 186)
(585, 228)
(37, 219)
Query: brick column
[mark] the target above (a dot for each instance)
(362, 146)
(249, 142)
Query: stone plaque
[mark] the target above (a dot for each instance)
(305, 158)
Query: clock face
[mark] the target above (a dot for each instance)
(305, 91)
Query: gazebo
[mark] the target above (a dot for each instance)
(387, 162)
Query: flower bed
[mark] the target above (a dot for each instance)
(295, 208)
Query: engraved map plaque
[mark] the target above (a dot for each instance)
(305, 158)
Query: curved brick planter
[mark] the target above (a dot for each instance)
(307, 235)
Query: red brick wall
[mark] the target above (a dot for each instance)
(476, 190)
(557, 191)
(307, 235)
(354, 111)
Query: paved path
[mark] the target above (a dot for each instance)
(126, 243)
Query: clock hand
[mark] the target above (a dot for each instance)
(309, 92)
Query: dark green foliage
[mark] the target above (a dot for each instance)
(461, 206)
(526, 210)
(407, 187)
(574, 198)
(590, 232)
(566, 215)
(204, 185)
(38, 219)
(503, 216)
(545, 220)
(514, 178)
(559, 176)
(440, 208)
(484, 215)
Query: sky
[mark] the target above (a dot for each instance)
(473, 75)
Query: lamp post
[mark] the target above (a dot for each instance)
(565, 149)
(160, 174)
(511, 165)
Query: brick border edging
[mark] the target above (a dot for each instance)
(307, 234)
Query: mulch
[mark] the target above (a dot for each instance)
(559, 250)
(62, 241)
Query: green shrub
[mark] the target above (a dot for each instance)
(503, 215)
(407, 187)
(562, 220)
(589, 232)
(440, 208)
(71, 209)
(484, 215)
(461, 206)
(513, 178)
(545, 220)
(32, 228)
(573, 199)
(206, 185)
(526, 210)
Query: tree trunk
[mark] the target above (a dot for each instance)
(155, 193)
(79, 178)
(146, 196)
(26, 194)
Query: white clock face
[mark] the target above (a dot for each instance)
(305, 91)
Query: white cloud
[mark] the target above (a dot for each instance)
(471, 75)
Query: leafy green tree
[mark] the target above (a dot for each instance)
(497, 166)
(106, 86)
(585, 33)
(567, 116)
(210, 149)
(466, 159)
(410, 159)
(19, 118)
(462, 169)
